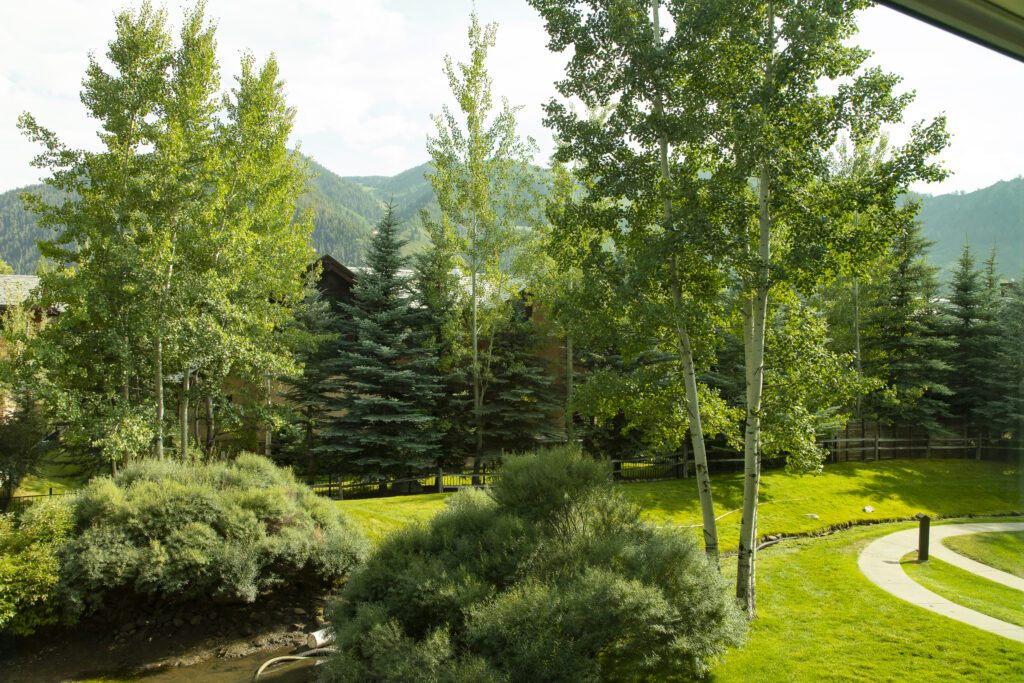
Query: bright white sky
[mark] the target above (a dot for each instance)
(365, 75)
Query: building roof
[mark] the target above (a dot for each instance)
(333, 265)
(996, 24)
(15, 288)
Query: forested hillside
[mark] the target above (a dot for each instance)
(346, 209)
(18, 229)
(992, 216)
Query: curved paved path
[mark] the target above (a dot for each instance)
(937, 549)
(880, 562)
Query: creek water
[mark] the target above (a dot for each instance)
(240, 670)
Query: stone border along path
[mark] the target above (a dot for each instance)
(880, 562)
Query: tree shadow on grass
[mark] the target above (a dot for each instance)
(942, 486)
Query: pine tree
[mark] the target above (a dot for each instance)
(318, 319)
(384, 372)
(1006, 409)
(521, 401)
(902, 343)
(974, 331)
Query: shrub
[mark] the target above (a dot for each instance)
(29, 565)
(552, 576)
(178, 531)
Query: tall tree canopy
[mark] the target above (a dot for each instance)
(729, 96)
(485, 188)
(974, 335)
(903, 346)
(385, 372)
(178, 254)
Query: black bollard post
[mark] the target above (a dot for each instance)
(922, 537)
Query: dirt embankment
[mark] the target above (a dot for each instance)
(161, 638)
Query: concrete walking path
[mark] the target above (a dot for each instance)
(880, 562)
(937, 549)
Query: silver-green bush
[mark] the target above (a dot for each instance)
(223, 531)
(550, 577)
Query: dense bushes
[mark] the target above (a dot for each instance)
(551, 577)
(223, 531)
(29, 568)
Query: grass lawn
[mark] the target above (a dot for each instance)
(56, 471)
(820, 619)
(1002, 550)
(966, 588)
(896, 489)
(379, 516)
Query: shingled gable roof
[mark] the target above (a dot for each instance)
(336, 280)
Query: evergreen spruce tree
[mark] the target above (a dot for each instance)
(902, 344)
(1006, 409)
(443, 311)
(307, 395)
(972, 326)
(384, 372)
(521, 398)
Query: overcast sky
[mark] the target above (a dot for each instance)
(365, 75)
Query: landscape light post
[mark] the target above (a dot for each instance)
(922, 536)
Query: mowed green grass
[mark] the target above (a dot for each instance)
(379, 516)
(966, 588)
(820, 619)
(896, 489)
(1002, 550)
(58, 472)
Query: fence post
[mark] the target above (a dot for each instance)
(876, 442)
(928, 446)
(440, 479)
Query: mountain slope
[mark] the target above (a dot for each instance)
(345, 209)
(344, 213)
(986, 218)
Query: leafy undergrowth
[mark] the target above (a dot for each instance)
(819, 618)
(966, 588)
(1002, 550)
(896, 489)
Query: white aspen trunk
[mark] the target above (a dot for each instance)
(755, 312)
(158, 388)
(696, 428)
(856, 349)
(125, 398)
(478, 399)
(268, 434)
(183, 418)
(209, 424)
(700, 457)
(570, 427)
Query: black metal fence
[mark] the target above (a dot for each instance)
(342, 487)
(18, 504)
